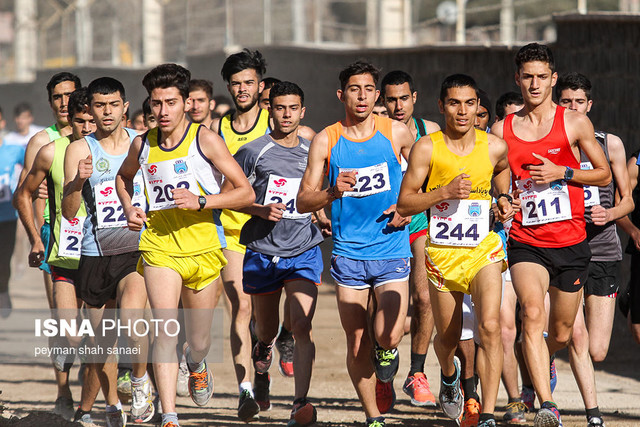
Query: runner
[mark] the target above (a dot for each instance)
(25, 129)
(304, 131)
(109, 252)
(149, 119)
(399, 97)
(64, 245)
(463, 256)
(282, 244)
(201, 94)
(371, 241)
(592, 328)
(242, 72)
(508, 103)
(181, 238)
(548, 251)
(59, 88)
(484, 111)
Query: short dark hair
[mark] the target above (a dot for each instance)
(137, 113)
(535, 52)
(23, 107)
(222, 99)
(573, 81)
(241, 61)
(485, 101)
(168, 75)
(286, 88)
(457, 80)
(78, 101)
(146, 106)
(106, 86)
(394, 78)
(357, 68)
(58, 78)
(506, 99)
(204, 85)
(269, 82)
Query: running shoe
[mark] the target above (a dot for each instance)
(262, 356)
(417, 388)
(124, 382)
(200, 385)
(83, 417)
(182, 386)
(553, 375)
(595, 422)
(285, 345)
(451, 398)
(116, 419)
(303, 414)
(142, 409)
(515, 412)
(385, 396)
(471, 413)
(261, 389)
(487, 423)
(386, 363)
(64, 407)
(375, 422)
(248, 408)
(547, 416)
(528, 396)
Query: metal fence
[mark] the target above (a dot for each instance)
(37, 34)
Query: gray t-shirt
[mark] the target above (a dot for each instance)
(275, 172)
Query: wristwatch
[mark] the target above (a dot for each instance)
(202, 201)
(568, 174)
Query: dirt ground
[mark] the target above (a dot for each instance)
(28, 391)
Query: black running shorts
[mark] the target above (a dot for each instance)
(603, 279)
(98, 276)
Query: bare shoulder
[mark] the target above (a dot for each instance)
(497, 144)
(215, 124)
(39, 140)
(78, 147)
(497, 129)
(400, 131)
(46, 153)
(431, 127)
(306, 132)
(575, 120)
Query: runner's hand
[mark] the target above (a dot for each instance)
(546, 172)
(272, 211)
(136, 218)
(185, 199)
(600, 215)
(325, 226)
(397, 220)
(43, 191)
(344, 182)
(635, 236)
(505, 210)
(459, 187)
(85, 167)
(36, 256)
(517, 202)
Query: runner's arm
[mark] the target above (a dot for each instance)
(624, 202)
(625, 222)
(411, 200)
(124, 187)
(34, 145)
(311, 197)
(581, 129)
(77, 153)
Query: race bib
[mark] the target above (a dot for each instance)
(591, 193)
(284, 190)
(5, 188)
(459, 222)
(70, 237)
(544, 203)
(370, 180)
(162, 177)
(109, 210)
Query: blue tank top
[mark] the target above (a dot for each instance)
(11, 158)
(105, 232)
(359, 226)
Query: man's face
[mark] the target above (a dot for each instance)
(201, 106)
(82, 124)
(380, 110)
(60, 101)
(359, 96)
(168, 107)
(264, 98)
(512, 108)
(108, 110)
(536, 81)
(150, 121)
(23, 121)
(399, 102)
(245, 87)
(138, 123)
(482, 118)
(286, 112)
(460, 108)
(575, 100)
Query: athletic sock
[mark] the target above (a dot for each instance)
(469, 389)
(284, 333)
(169, 416)
(593, 412)
(514, 399)
(246, 386)
(448, 380)
(417, 363)
(486, 417)
(194, 366)
(140, 380)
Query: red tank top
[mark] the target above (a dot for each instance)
(555, 147)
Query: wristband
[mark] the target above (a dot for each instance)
(506, 196)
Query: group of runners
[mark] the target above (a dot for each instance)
(423, 221)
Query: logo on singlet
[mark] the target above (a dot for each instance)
(180, 166)
(242, 138)
(102, 165)
(153, 169)
(280, 182)
(553, 150)
(528, 185)
(74, 221)
(136, 189)
(442, 206)
(475, 209)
